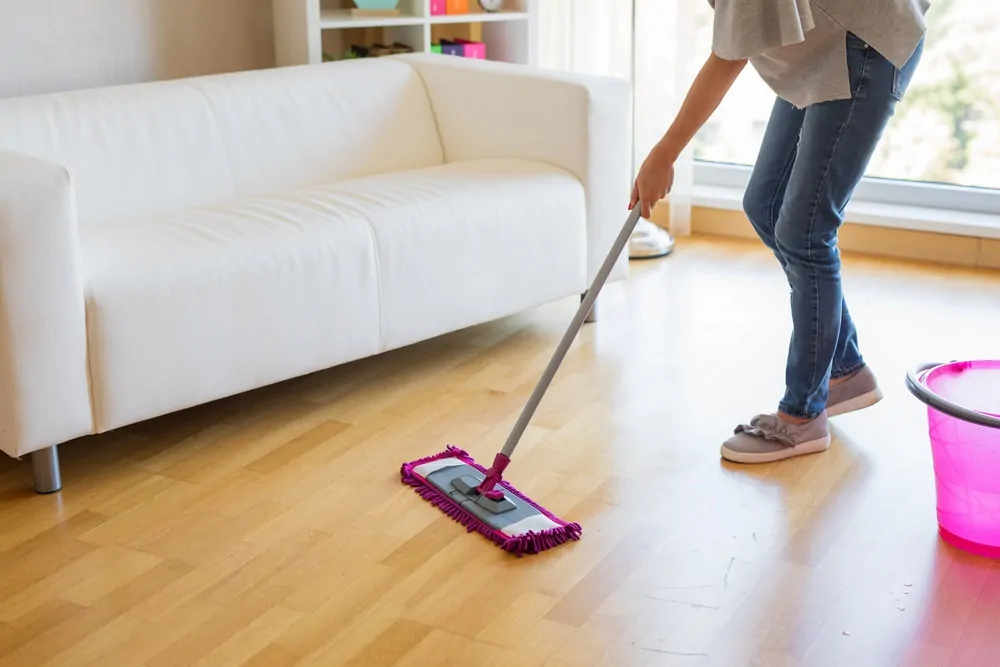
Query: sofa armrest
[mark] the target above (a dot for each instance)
(580, 123)
(44, 387)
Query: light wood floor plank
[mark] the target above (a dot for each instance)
(271, 529)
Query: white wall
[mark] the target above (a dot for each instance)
(55, 45)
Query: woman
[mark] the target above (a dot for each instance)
(838, 67)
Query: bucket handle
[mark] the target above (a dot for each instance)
(928, 397)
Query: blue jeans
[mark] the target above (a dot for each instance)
(810, 162)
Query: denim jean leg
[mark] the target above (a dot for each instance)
(763, 199)
(837, 141)
(765, 191)
(847, 358)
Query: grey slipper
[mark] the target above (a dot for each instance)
(768, 438)
(860, 391)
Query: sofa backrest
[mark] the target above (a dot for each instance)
(145, 149)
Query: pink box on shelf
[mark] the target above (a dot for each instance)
(439, 7)
(473, 49)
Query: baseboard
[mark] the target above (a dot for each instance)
(866, 239)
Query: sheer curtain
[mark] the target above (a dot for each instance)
(586, 36)
(650, 43)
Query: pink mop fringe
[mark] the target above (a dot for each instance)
(526, 544)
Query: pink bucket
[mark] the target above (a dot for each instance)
(963, 413)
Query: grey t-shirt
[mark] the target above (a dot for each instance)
(799, 47)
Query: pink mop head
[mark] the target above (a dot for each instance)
(527, 529)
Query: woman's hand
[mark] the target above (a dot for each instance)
(654, 182)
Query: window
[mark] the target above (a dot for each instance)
(943, 146)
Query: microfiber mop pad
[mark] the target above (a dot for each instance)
(521, 528)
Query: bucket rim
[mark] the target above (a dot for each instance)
(983, 364)
(916, 382)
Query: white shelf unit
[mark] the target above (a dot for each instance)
(306, 29)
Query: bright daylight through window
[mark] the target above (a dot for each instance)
(946, 132)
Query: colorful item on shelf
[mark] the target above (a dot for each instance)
(460, 47)
(458, 6)
(472, 49)
(375, 8)
(439, 7)
(450, 48)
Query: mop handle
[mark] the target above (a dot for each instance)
(586, 304)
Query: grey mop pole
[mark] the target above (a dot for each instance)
(495, 473)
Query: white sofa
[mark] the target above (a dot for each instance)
(167, 244)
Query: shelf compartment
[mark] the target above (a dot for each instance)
(506, 41)
(340, 14)
(334, 19)
(331, 19)
(478, 17)
(337, 42)
(310, 31)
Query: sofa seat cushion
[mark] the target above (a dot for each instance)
(470, 242)
(200, 304)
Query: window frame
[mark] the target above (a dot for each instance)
(911, 194)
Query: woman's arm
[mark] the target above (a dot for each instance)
(711, 85)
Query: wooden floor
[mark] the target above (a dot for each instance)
(272, 529)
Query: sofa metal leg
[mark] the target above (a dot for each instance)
(592, 315)
(45, 464)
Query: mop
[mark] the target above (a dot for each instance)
(481, 499)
